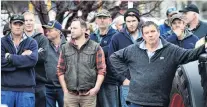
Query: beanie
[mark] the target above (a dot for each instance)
(134, 10)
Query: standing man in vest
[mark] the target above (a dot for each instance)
(107, 96)
(19, 55)
(42, 41)
(81, 68)
(54, 92)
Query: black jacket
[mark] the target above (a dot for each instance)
(42, 42)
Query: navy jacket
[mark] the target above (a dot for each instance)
(119, 41)
(188, 42)
(104, 43)
(164, 28)
(17, 73)
(104, 40)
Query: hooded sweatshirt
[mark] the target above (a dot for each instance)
(188, 42)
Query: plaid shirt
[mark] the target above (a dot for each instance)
(100, 62)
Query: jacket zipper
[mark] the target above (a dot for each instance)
(147, 56)
(77, 82)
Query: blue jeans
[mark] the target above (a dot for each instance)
(17, 99)
(124, 90)
(108, 96)
(40, 96)
(54, 95)
(136, 105)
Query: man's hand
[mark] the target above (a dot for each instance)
(178, 32)
(126, 82)
(65, 90)
(40, 50)
(27, 52)
(93, 91)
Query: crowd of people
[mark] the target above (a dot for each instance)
(131, 66)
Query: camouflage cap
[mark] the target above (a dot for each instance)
(103, 12)
(176, 16)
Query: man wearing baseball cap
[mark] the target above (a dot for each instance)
(19, 55)
(166, 26)
(180, 34)
(191, 16)
(102, 35)
(54, 92)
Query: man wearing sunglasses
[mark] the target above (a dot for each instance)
(19, 55)
(164, 28)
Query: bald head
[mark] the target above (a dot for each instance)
(119, 21)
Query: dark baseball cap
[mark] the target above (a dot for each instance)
(191, 7)
(17, 18)
(53, 24)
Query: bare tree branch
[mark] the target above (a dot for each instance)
(157, 4)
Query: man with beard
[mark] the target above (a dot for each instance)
(127, 36)
(107, 94)
(40, 74)
(81, 68)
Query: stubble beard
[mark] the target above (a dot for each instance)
(132, 32)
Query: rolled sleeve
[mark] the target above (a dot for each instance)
(100, 62)
(61, 69)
